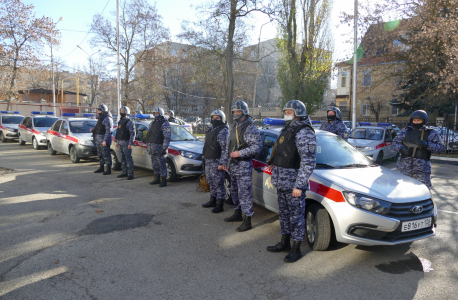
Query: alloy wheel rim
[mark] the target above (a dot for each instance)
(35, 144)
(169, 170)
(311, 224)
(227, 186)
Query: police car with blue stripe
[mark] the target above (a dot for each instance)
(9, 122)
(33, 129)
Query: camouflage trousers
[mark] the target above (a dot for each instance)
(104, 154)
(241, 173)
(292, 214)
(126, 158)
(215, 178)
(159, 166)
(416, 168)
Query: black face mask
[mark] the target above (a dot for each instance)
(331, 118)
(100, 115)
(123, 116)
(418, 126)
(217, 123)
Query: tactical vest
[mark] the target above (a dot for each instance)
(233, 146)
(412, 137)
(285, 150)
(122, 132)
(212, 148)
(99, 127)
(155, 135)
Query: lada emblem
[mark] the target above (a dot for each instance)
(417, 209)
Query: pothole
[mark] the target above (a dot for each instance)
(116, 223)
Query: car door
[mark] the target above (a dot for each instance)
(139, 151)
(64, 142)
(28, 130)
(263, 190)
(53, 136)
(388, 140)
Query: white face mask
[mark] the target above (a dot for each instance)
(288, 119)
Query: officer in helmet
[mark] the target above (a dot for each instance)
(102, 132)
(335, 124)
(125, 135)
(415, 143)
(171, 116)
(243, 143)
(158, 141)
(214, 153)
(292, 162)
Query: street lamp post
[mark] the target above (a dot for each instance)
(52, 72)
(355, 66)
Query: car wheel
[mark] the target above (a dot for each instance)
(227, 187)
(171, 172)
(21, 142)
(73, 156)
(115, 163)
(35, 144)
(318, 227)
(379, 158)
(2, 138)
(51, 149)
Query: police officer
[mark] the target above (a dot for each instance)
(171, 116)
(292, 162)
(335, 124)
(243, 143)
(125, 135)
(102, 132)
(214, 153)
(158, 141)
(415, 143)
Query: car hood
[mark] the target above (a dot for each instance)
(378, 182)
(42, 128)
(12, 126)
(193, 146)
(83, 136)
(363, 143)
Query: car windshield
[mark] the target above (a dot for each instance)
(43, 122)
(181, 134)
(333, 152)
(12, 119)
(367, 134)
(82, 126)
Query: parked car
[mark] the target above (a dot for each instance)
(450, 136)
(9, 122)
(33, 129)
(350, 197)
(349, 124)
(185, 125)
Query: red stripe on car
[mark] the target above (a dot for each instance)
(173, 151)
(326, 191)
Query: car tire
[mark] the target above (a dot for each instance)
(379, 158)
(115, 163)
(318, 227)
(227, 187)
(2, 138)
(51, 149)
(171, 172)
(21, 142)
(73, 156)
(35, 144)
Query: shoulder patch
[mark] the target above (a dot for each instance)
(312, 148)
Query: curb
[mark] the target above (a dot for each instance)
(444, 160)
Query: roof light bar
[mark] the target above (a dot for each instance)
(374, 124)
(78, 115)
(42, 113)
(9, 112)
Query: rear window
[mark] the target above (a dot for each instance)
(43, 122)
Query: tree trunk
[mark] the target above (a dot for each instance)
(13, 79)
(229, 60)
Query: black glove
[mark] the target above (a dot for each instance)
(164, 152)
(406, 151)
(422, 143)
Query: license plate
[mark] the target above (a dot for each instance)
(416, 224)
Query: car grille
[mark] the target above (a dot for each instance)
(399, 236)
(402, 211)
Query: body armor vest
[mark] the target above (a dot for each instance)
(212, 148)
(233, 146)
(286, 154)
(412, 136)
(155, 135)
(122, 132)
(99, 127)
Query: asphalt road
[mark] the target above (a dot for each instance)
(67, 233)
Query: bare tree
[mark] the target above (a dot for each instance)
(95, 69)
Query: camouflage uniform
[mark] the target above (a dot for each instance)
(104, 152)
(158, 160)
(337, 127)
(417, 168)
(241, 171)
(215, 177)
(126, 153)
(292, 209)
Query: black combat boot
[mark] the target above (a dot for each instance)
(246, 225)
(130, 177)
(219, 206)
(236, 217)
(108, 171)
(229, 201)
(295, 253)
(163, 181)
(100, 169)
(211, 203)
(284, 245)
(156, 180)
(122, 175)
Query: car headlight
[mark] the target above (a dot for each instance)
(86, 142)
(191, 155)
(367, 203)
(368, 148)
(43, 133)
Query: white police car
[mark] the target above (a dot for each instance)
(33, 129)
(374, 140)
(185, 125)
(9, 122)
(184, 153)
(71, 135)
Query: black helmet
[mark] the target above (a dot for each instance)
(240, 105)
(336, 110)
(126, 110)
(219, 113)
(172, 114)
(419, 114)
(159, 110)
(103, 108)
(297, 106)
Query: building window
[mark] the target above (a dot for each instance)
(252, 53)
(343, 106)
(367, 77)
(394, 110)
(365, 109)
(344, 79)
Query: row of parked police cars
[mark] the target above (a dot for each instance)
(351, 199)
